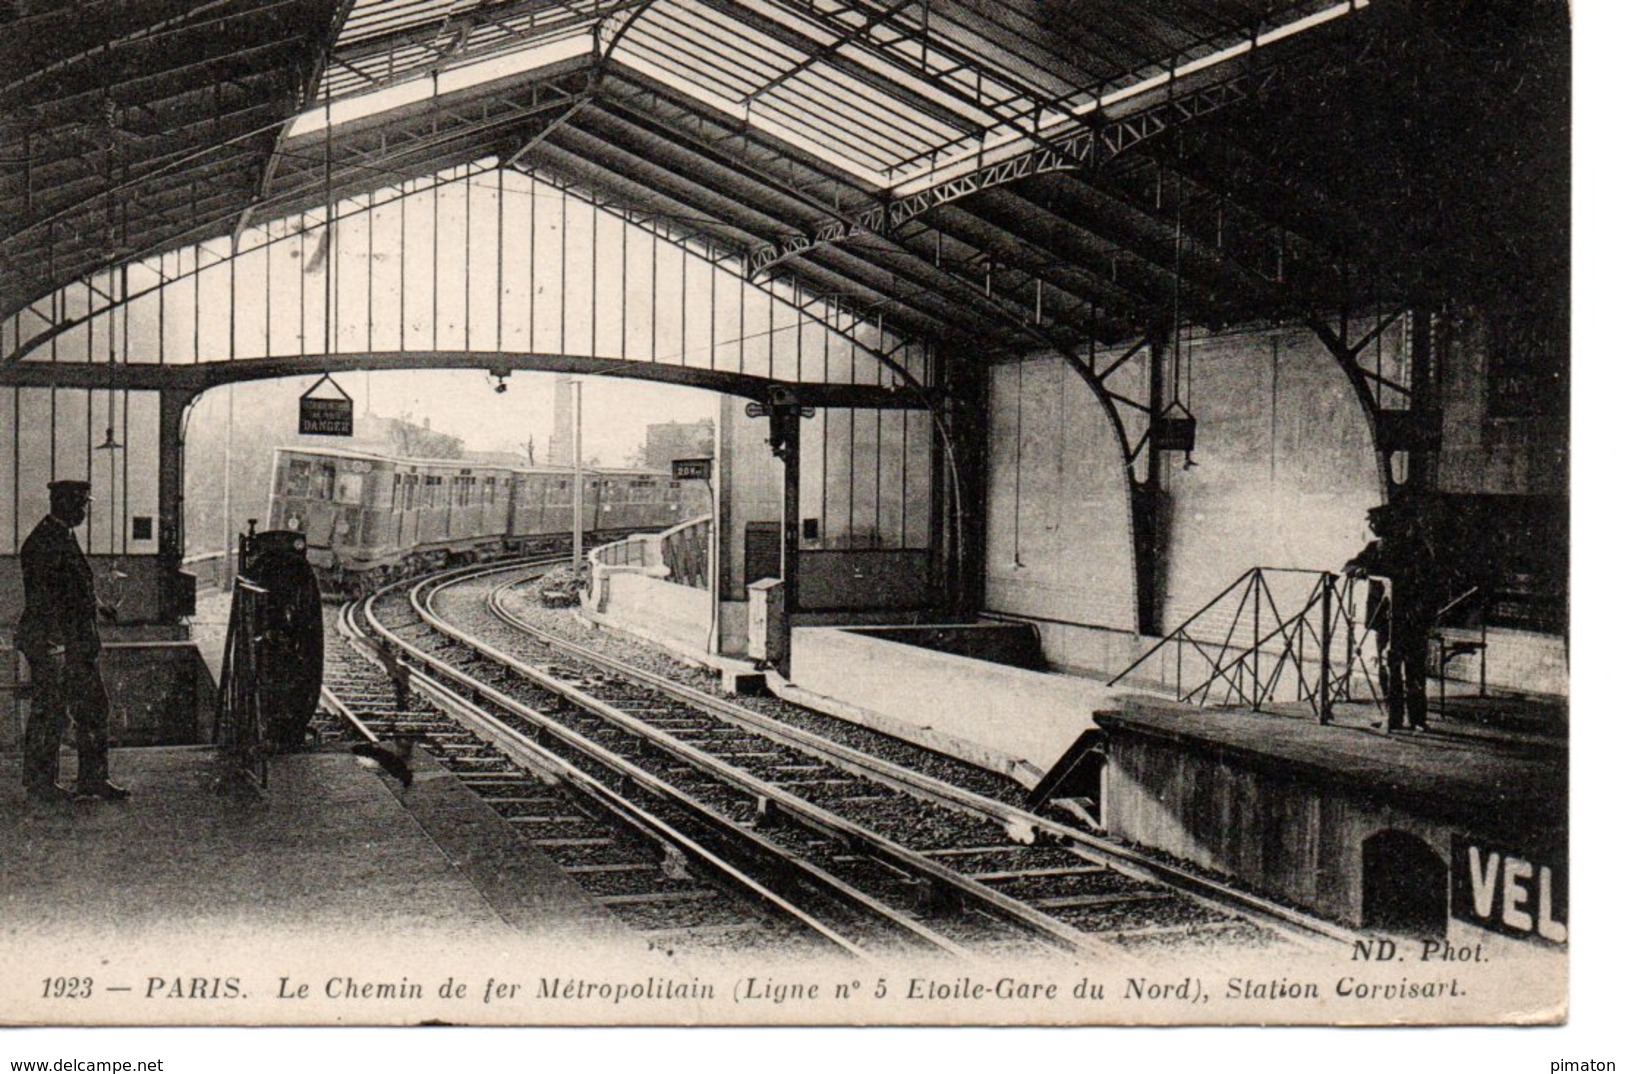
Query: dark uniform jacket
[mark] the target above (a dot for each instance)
(59, 595)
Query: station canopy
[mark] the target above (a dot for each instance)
(985, 173)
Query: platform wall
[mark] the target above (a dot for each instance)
(865, 520)
(654, 607)
(1284, 471)
(1298, 830)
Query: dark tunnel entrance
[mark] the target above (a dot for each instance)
(1405, 887)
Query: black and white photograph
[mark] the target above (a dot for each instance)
(786, 513)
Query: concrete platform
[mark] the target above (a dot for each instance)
(328, 851)
(1320, 815)
(1011, 720)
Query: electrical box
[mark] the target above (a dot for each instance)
(767, 630)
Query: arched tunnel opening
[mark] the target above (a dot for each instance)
(1405, 885)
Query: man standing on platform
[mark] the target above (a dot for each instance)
(57, 633)
(1403, 553)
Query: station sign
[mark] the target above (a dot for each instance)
(1509, 891)
(326, 415)
(691, 469)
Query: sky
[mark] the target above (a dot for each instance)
(466, 404)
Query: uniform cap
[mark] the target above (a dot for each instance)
(80, 487)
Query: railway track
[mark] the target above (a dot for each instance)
(961, 871)
(653, 880)
(617, 832)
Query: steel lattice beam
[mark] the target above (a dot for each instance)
(1086, 147)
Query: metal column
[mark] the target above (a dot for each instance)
(179, 595)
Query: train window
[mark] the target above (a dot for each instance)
(298, 483)
(321, 487)
(395, 492)
(348, 488)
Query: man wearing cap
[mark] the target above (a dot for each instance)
(57, 633)
(1403, 553)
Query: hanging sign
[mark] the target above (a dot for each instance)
(324, 415)
(691, 469)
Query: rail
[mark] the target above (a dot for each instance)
(680, 555)
(213, 570)
(239, 723)
(685, 551)
(639, 550)
(1245, 650)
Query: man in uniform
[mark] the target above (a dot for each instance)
(57, 633)
(1403, 553)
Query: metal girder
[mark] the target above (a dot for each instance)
(1026, 98)
(718, 203)
(640, 98)
(56, 192)
(201, 44)
(666, 205)
(373, 150)
(829, 323)
(202, 376)
(323, 49)
(636, 148)
(1008, 241)
(1086, 147)
(801, 43)
(901, 292)
(684, 203)
(824, 52)
(695, 159)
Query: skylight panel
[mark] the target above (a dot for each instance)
(425, 87)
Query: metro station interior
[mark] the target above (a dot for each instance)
(1060, 355)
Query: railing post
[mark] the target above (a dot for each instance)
(1258, 607)
(1345, 606)
(1327, 581)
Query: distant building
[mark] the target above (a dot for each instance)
(561, 445)
(399, 436)
(678, 440)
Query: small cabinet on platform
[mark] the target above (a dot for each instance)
(767, 630)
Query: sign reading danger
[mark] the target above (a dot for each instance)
(326, 415)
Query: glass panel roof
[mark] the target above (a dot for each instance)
(897, 93)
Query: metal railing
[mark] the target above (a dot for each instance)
(685, 550)
(1265, 640)
(213, 570)
(639, 550)
(239, 723)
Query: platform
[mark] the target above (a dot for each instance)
(1009, 719)
(1338, 817)
(328, 850)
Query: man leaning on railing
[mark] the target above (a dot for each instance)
(1404, 554)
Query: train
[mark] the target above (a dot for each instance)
(370, 518)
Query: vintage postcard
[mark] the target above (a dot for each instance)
(785, 512)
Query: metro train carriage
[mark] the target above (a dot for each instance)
(369, 518)
(543, 503)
